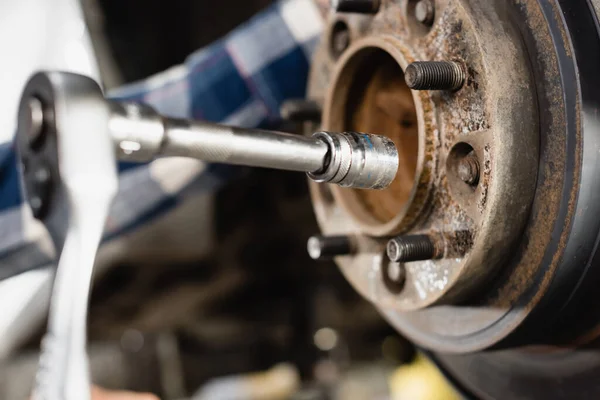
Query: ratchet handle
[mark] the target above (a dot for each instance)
(68, 173)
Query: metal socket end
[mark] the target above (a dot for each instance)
(435, 75)
(358, 160)
(356, 6)
(411, 248)
(327, 247)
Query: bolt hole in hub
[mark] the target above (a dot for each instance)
(422, 15)
(463, 166)
(377, 101)
(394, 275)
(339, 39)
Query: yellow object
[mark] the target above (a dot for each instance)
(420, 380)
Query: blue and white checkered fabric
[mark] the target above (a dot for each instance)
(240, 80)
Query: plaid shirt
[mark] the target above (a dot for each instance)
(240, 80)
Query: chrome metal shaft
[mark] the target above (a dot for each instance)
(348, 159)
(253, 147)
(142, 135)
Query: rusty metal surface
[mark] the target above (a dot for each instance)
(564, 309)
(550, 272)
(529, 273)
(477, 226)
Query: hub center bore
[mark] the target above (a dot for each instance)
(369, 94)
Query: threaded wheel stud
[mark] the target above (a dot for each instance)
(410, 248)
(435, 75)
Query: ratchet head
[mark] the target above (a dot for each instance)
(358, 160)
(63, 145)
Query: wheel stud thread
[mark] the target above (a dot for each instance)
(435, 75)
(411, 248)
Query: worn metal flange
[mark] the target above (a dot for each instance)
(545, 291)
(543, 288)
(492, 117)
(560, 307)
